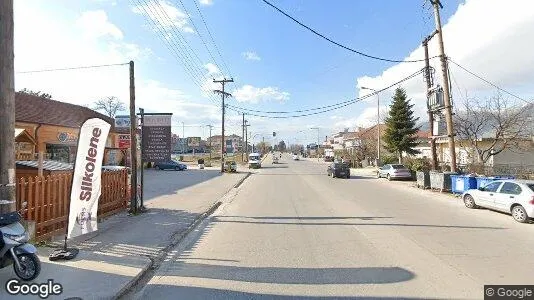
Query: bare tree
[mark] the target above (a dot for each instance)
(495, 121)
(110, 105)
(34, 93)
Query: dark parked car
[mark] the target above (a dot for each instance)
(172, 165)
(341, 170)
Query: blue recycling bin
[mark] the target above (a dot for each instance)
(461, 183)
(482, 181)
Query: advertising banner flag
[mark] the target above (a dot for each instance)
(86, 181)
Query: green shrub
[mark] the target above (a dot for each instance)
(418, 164)
(389, 159)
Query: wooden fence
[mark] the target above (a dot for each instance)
(48, 199)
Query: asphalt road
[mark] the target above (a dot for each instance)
(291, 232)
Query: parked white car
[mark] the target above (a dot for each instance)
(515, 197)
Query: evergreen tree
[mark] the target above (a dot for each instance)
(400, 126)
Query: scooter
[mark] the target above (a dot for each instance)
(15, 249)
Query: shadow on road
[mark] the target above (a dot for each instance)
(158, 182)
(308, 218)
(221, 220)
(278, 275)
(189, 292)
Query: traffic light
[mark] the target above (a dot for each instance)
(274, 133)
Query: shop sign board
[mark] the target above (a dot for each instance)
(157, 137)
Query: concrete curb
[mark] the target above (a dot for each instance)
(155, 262)
(238, 184)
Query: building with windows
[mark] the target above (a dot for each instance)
(52, 127)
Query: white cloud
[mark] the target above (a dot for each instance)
(206, 2)
(83, 87)
(95, 24)
(212, 69)
(164, 14)
(251, 55)
(498, 48)
(249, 93)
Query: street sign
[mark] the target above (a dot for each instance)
(157, 138)
(193, 141)
(124, 141)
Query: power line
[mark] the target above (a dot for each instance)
(171, 44)
(339, 44)
(489, 82)
(73, 68)
(198, 32)
(212, 40)
(340, 104)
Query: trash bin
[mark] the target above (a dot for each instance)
(441, 181)
(461, 183)
(423, 179)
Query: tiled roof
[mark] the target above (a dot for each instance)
(48, 165)
(34, 109)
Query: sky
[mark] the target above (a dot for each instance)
(180, 46)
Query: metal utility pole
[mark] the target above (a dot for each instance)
(243, 138)
(446, 91)
(317, 128)
(142, 205)
(246, 139)
(133, 143)
(223, 95)
(183, 137)
(210, 126)
(428, 77)
(7, 113)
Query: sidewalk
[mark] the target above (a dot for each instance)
(113, 258)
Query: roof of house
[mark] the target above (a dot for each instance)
(23, 136)
(48, 165)
(34, 109)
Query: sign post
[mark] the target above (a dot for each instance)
(156, 140)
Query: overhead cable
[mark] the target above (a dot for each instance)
(339, 44)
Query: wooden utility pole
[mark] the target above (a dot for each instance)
(434, 158)
(133, 143)
(223, 95)
(7, 111)
(446, 90)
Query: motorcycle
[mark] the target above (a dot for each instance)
(15, 249)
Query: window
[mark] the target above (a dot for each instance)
(396, 167)
(531, 186)
(492, 187)
(510, 188)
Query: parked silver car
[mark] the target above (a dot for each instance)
(394, 171)
(515, 197)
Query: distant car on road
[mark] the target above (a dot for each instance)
(340, 170)
(295, 156)
(254, 161)
(230, 166)
(170, 165)
(515, 197)
(394, 171)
